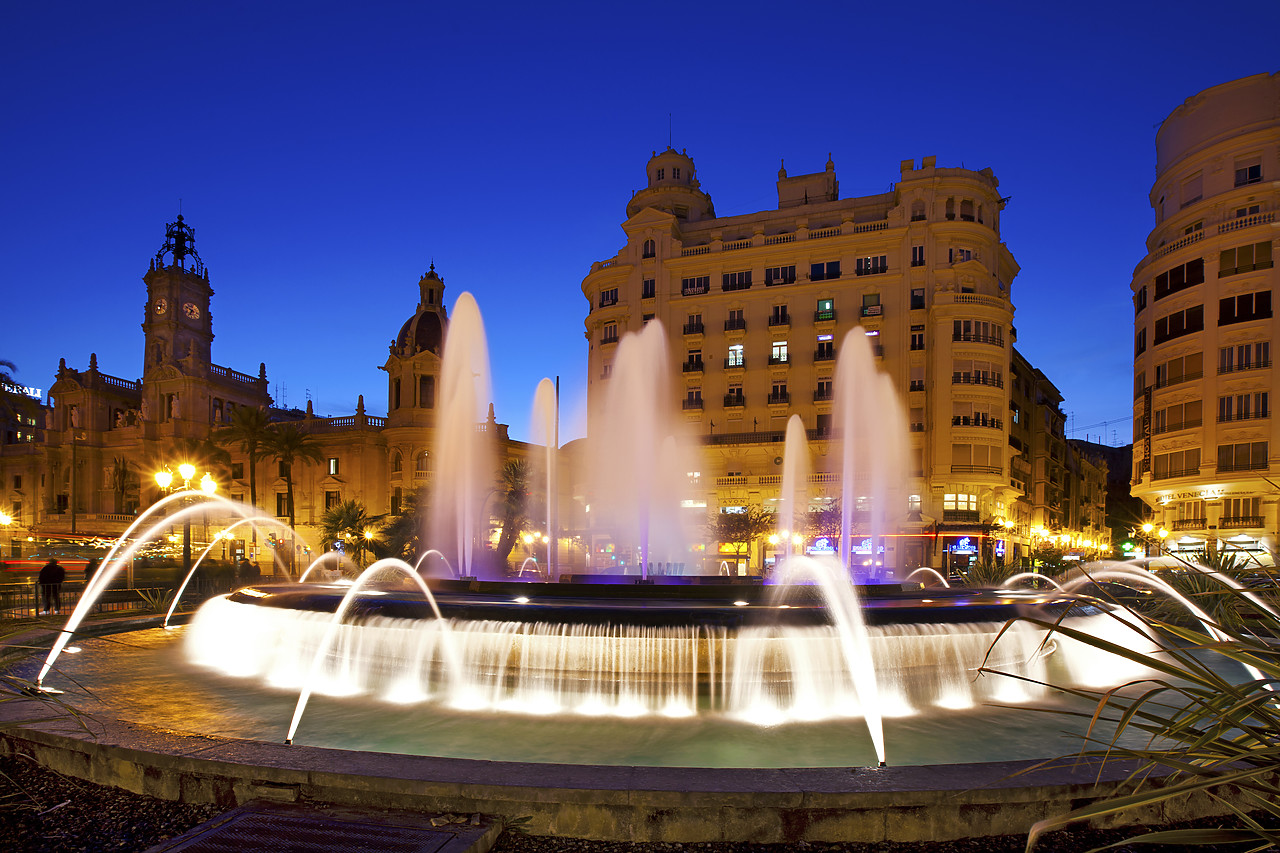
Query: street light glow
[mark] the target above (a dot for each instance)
(164, 479)
(187, 470)
(207, 485)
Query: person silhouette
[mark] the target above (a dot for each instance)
(50, 579)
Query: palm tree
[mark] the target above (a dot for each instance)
(513, 491)
(249, 430)
(289, 444)
(349, 524)
(402, 534)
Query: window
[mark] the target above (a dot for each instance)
(736, 356)
(1179, 323)
(1246, 306)
(780, 275)
(1140, 342)
(397, 496)
(735, 397)
(606, 371)
(1241, 509)
(649, 249)
(917, 337)
(1248, 456)
(736, 321)
(917, 298)
(1192, 189)
(917, 211)
(237, 473)
(826, 348)
(955, 256)
(1244, 357)
(736, 280)
(693, 399)
(675, 173)
(644, 319)
(695, 285)
(976, 459)
(1180, 278)
(960, 502)
(966, 209)
(1180, 463)
(397, 463)
(778, 355)
(693, 324)
(1198, 225)
(1176, 417)
(779, 316)
(971, 371)
(917, 256)
(1251, 210)
(823, 391)
(1140, 300)
(1255, 256)
(824, 272)
(333, 466)
(872, 265)
(610, 334)
(282, 504)
(980, 331)
(395, 393)
(608, 297)
(1181, 369)
(282, 469)
(778, 393)
(332, 499)
(648, 289)
(426, 392)
(660, 174)
(1242, 407)
(693, 361)
(1248, 171)
(951, 208)
(826, 310)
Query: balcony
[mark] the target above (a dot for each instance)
(977, 379)
(779, 398)
(692, 366)
(607, 301)
(693, 328)
(738, 363)
(1190, 423)
(1173, 473)
(978, 339)
(1190, 524)
(692, 405)
(872, 311)
(1235, 368)
(1239, 522)
(780, 320)
(1166, 381)
(824, 316)
(1241, 416)
(771, 282)
(977, 421)
(609, 339)
(824, 355)
(916, 385)
(735, 324)
(1233, 467)
(731, 400)
(778, 359)
(960, 516)
(822, 395)
(994, 470)
(917, 427)
(694, 289)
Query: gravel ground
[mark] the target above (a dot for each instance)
(44, 812)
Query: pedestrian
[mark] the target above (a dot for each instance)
(50, 579)
(90, 569)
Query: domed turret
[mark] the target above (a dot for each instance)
(673, 186)
(425, 329)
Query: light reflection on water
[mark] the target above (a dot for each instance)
(142, 677)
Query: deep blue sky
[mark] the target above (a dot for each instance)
(326, 153)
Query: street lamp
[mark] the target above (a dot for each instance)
(165, 480)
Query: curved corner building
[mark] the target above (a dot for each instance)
(1205, 440)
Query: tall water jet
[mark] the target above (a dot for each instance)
(639, 473)
(871, 433)
(464, 454)
(793, 505)
(543, 429)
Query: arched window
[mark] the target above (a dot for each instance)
(951, 208)
(423, 462)
(397, 463)
(966, 209)
(650, 249)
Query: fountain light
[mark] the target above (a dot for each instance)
(740, 604)
(522, 599)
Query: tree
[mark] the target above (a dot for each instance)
(249, 430)
(740, 529)
(825, 523)
(289, 444)
(513, 491)
(349, 525)
(402, 534)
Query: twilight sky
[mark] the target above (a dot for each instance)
(327, 153)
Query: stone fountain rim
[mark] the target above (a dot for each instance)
(605, 802)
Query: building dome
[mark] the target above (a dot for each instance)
(425, 329)
(673, 186)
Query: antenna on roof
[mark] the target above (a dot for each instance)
(668, 130)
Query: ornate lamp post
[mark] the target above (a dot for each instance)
(165, 480)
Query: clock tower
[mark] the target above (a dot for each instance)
(178, 327)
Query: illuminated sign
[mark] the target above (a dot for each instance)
(964, 546)
(864, 547)
(999, 547)
(821, 546)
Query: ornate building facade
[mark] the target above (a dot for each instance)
(1204, 440)
(756, 306)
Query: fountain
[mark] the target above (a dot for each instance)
(811, 671)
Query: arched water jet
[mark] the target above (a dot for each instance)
(1020, 576)
(417, 567)
(927, 570)
(326, 557)
(327, 640)
(255, 520)
(536, 568)
(111, 564)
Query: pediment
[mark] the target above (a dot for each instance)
(162, 372)
(650, 217)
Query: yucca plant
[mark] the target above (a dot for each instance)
(1202, 733)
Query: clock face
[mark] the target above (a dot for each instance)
(162, 305)
(191, 310)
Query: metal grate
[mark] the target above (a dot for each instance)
(315, 833)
